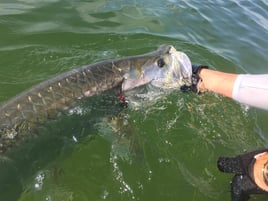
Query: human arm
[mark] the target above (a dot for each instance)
(247, 89)
(218, 82)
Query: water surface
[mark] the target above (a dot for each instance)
(165, 151)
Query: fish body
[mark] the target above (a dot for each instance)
(43, 101)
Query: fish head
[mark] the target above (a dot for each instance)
(167, 69)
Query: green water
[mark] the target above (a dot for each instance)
(166, 151)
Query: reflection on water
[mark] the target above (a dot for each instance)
(110, 16)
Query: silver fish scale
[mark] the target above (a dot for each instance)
(45, 100)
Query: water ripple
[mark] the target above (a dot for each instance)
(14, 8)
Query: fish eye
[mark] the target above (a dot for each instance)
(161, 63)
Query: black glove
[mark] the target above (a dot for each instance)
(195, 79)
(243, 183)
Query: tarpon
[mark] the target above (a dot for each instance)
(22, 113)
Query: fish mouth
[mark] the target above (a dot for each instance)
(170, 70)
(131, 83)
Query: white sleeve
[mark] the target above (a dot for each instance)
(252, 90)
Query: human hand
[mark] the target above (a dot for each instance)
(197, 83)
(250, 171)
